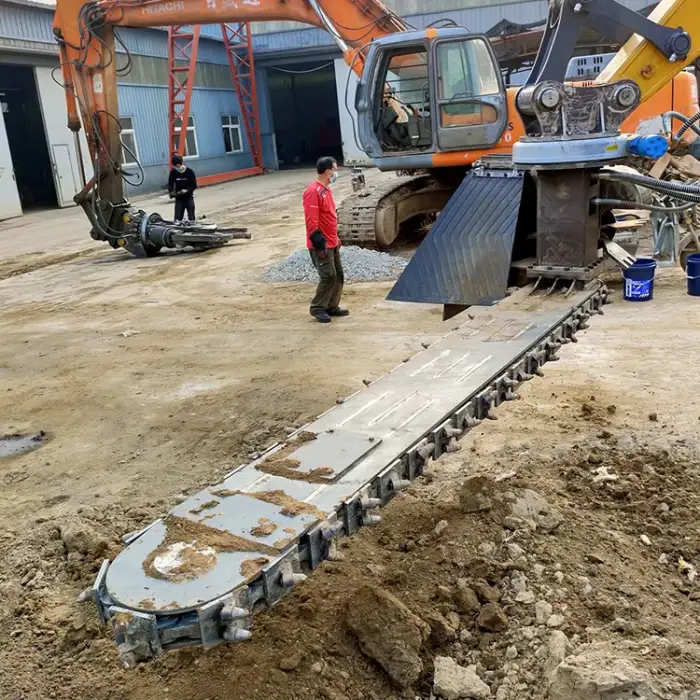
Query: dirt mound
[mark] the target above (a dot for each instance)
(388, 632)
(517, 597)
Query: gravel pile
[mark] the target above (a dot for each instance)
(360, 265)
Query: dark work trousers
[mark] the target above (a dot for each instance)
(332, 278)
(184, 203)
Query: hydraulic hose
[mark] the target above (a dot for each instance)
(674, 188)
(693, 196)
(622, 204)
(688, 123)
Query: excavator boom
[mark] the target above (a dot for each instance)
(641, 61)
(361, 28)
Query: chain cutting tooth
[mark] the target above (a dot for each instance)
(369, 503)
(331, 530)
(290, 580)
(334, 554)
(371, 519)
(236, 634)
(453, 446)
(234, 613)
(511, 396)
(426, 451)
(128, 660)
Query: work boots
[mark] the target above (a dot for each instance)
(338, 312)
(321, 316)
(326, 316)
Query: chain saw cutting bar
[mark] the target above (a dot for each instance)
(196, 576)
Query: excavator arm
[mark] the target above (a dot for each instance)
(87, 34)
(640, 60)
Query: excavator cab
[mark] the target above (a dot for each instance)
(427, 92)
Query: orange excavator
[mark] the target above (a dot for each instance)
(420, 74)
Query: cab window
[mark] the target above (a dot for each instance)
(403, 122)
(465, 74)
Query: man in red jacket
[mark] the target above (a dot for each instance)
(323, 243)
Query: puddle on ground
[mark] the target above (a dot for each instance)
(13, 445)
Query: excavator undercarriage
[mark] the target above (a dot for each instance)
(382, 216)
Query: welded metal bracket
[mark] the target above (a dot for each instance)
(136, 635)
(226, 619)
(281, 576)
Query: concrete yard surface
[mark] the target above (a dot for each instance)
(153, 378)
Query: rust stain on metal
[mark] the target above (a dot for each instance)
(251, 567)
(264, 528)
(203, 507)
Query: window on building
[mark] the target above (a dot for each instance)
(191, 150)
(231, 126)
(130, 150)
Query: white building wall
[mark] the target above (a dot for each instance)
(60, 139)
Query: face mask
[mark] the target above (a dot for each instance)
(334, 177)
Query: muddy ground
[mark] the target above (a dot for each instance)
(153, 378)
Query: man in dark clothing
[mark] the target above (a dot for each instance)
(181, 184)
(323, 243)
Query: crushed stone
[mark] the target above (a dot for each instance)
(359, 265)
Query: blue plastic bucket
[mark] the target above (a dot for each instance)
(639, 280)
(692, 268)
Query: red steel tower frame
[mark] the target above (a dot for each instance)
(239, 49)
(182, 60)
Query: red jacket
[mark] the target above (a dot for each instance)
(320, 214)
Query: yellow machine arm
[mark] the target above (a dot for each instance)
(641, 61)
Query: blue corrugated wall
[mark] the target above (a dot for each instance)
(148, 104)
(142, 102)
